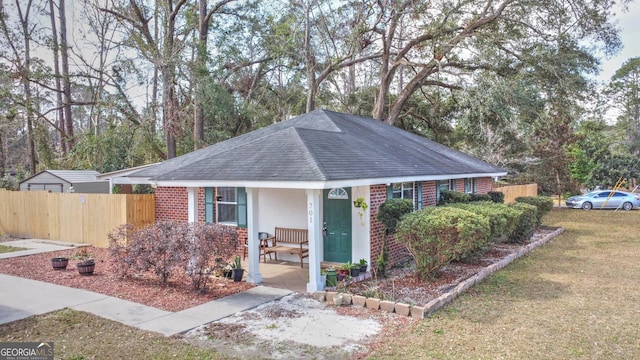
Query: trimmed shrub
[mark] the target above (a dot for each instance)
(436, 236)
(526, 223)
(496, 196)
(497, 223)
(390, 212)
(543, 203)
(450, 197)
(479, 197)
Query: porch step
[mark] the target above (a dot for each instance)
(326, 264)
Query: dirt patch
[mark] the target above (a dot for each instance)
(292, 328)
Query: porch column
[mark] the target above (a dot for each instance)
(254, 275)
(192, 204)
(313, 223)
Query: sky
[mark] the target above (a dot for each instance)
(629, 23)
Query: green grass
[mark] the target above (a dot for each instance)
(7, 249)
(575, 298)
(79, 335)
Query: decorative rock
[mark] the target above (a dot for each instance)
(346, 299)
(359, 300)
(403, 309)
(418, 312)
(388, 306)
(329, 296)
(320, 296)
(373, 303)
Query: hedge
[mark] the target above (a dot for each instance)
(437, 235)
(543, 203)
(526, 223)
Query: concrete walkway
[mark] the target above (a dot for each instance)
(21, 298)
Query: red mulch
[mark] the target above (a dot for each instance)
(175, 295)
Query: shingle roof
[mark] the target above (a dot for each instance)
(320, 146)
(75, 176)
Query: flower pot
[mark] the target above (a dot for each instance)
(237, 274)
(86, 268)
(332, 279)
(342, 274)
(363, 268)
(355, 271)
(59, 263)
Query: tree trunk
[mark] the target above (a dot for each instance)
(310, 62)
(64, 52)
(56, 70)
(201, 63)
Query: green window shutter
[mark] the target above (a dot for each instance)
(437, 190)
(419, 195)
(209, 205)
(390, 191)
(242, 207)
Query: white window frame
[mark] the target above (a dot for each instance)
(405, 186)
(219, 202)
(470, 185)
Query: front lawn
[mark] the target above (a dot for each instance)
(575, 298)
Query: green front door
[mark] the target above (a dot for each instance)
(337, 222)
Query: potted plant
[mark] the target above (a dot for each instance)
(323, 277)
(236, 269)
(86, 267)
(344, 271)
(354, 269)
(332, 279)
(363, 265)
(362, 205)
(59, 263)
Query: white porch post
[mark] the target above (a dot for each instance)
(313, 223)
(254, 276)
(192, 204)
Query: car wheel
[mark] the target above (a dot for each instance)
(587, 206)
(627, 206)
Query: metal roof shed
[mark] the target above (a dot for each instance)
(79, 181)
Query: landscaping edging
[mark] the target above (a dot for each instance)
(434, 305)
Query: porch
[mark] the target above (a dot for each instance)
(288, 274)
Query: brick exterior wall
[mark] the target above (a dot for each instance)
(429, 193)
(484, 185)
(398, 253)
(171, 204)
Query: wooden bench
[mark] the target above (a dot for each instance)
(287, 240)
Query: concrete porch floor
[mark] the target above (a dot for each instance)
(284, 274)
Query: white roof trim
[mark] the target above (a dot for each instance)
(310, 185)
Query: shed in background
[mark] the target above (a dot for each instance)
(78, 181)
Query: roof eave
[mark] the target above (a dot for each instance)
(283, 184)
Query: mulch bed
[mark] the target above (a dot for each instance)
(175, 295)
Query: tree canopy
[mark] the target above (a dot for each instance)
(137, 81)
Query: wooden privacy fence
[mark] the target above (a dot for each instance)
(75, 218)
(511, 192)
